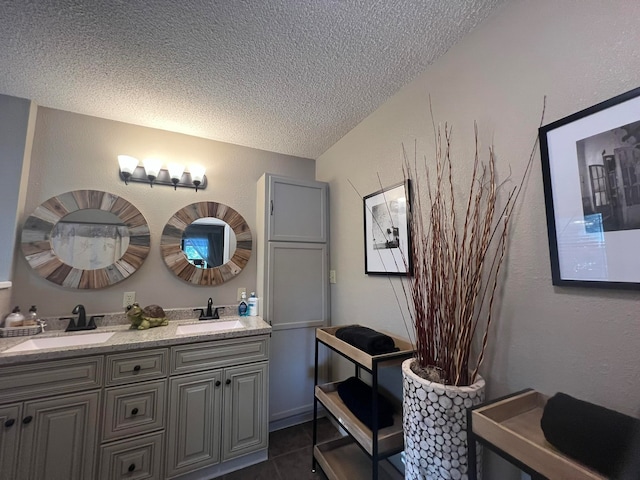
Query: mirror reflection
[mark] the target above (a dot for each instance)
(85, 239)
(208, 242)
(90, 239)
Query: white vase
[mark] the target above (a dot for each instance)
(435, 427)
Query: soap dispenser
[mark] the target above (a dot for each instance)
(243, 308)
(14, 319)
(32, 317)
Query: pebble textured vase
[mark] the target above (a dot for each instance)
(435, 427)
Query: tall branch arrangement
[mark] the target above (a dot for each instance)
(457, 256)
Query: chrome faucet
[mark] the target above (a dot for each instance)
(81, 323)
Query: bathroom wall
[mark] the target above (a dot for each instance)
(17, 118)
(72, 151)
(576, 52)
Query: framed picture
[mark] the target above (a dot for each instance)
(386, 231)
(591, 174)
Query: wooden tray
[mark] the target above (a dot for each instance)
(342, 459)
(390, 439)
(513, 425)
(328, 336)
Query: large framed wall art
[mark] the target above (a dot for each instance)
(386, 231)
(591, 174)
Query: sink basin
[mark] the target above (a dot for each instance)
(73, 340)
(209, 327)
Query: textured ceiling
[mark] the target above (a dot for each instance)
(288, 76)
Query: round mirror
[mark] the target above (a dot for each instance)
(85, 239)
(206, 243)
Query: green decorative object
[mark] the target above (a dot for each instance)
(147, 317)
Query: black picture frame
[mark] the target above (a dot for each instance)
(387, 243)
(591, 176)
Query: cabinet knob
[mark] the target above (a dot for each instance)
(134, 411)
(27, 419)
(136, 368)
(218, 383)
(9, 423)
(228, 381)
(132, 467)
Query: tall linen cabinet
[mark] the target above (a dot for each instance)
(293, 286)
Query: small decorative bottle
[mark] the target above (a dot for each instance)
(243, 308)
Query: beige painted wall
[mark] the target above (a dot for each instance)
(72, 151)
(577, 52)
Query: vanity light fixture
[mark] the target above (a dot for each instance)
(151, 172)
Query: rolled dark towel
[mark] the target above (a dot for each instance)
(367, 339)
(357, 397)
(593, 435)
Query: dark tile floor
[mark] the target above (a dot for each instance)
(289, 454)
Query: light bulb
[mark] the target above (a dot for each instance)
(197, 174)
(175, 172)
(127, 165)
(152, 166)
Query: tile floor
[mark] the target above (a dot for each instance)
(289, 454)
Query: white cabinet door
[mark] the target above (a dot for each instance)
(245, 409)
(10, 421)
(195, 419)
(59, 437)
(297, 210)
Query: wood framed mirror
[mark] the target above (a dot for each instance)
(198, 243)
(85, 239)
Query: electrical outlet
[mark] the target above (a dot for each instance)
(332, 276)
(128, 299)
(240, 290)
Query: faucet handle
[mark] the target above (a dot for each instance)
(201, 310)
(92, 320)
(41, 324)
(72, 322)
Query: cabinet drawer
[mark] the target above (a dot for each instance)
(136, 367)
(134, 459)
(219, 353)
(49, 378)
(134, 409)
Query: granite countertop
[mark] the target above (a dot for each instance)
(124, 339)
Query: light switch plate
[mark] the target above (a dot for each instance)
(332, 276)
(240, 290)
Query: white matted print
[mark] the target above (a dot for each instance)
(386, 235)
(591, 173)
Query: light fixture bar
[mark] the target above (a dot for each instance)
(164, 178)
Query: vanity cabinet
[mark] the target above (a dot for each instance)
(143, 414)
(216, 414)
(46, 434)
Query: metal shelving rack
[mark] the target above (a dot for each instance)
(363, 454)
